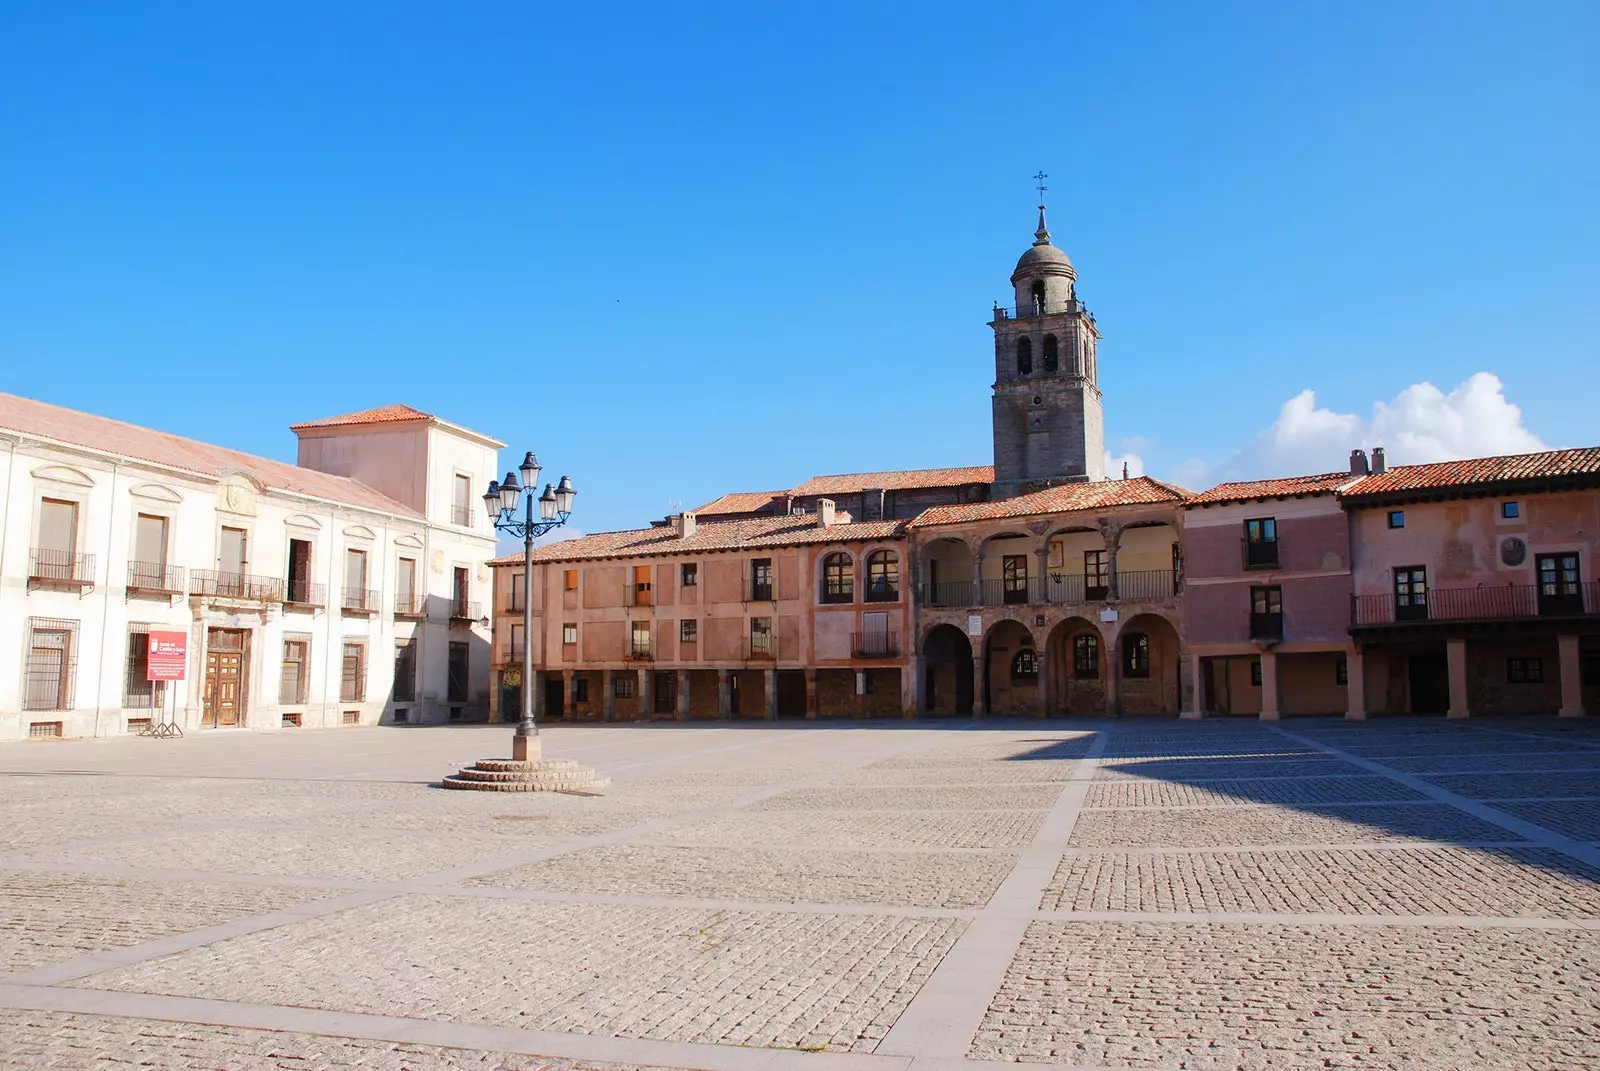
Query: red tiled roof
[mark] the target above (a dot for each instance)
(1066, 498)
(1252, 490)
(784, 531)
(739, 502)
(158, 447)
(387, 414)
(903, 480)
(1550, 464)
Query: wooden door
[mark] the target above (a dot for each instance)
(224, 692)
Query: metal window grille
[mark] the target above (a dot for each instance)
(405, 671)
(38, 730)
(624, 686)
(351, 717)
(353, 674)
(52, 666)
(292, 677)
(457, 679)
(139, 693)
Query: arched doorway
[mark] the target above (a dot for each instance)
(1076, 655)
(947, 672)
(1148, 662)
(1011, 670)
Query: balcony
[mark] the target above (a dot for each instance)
(410, 605)
(302, 595)
(758, 591)
(1505, 602)
(1147, 584)
(836, 594)
(881, 591)
(461, 515)
(1056, 589)
(246, 587)
(463, 610)
(637, 594)
(875, 644)
(155, 579)
(359, 601)
(1266, 628)
(60, 569)
(638, 651)
(1261, 554)
(1044, 308)
(764, 647)
(951, 593)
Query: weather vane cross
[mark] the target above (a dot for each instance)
(1039, 178)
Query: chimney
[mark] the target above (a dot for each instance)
(1380, 464)
(1358, 463)
(824, 513)
(784, 504)
(683, 525)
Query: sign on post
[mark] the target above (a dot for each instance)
(168, 656)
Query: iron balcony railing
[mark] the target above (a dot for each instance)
(245, 586)
(1061, 589)
(60, 566)
(303, 593)
(758, 591)
(637, 593)
(1041, 308)
(412, 604)
(463, 610)
(1147, 584)
(359, 600)
(949, 593)
(764, 646)
(1260, 555)
(155, 577)
(639, 651)
(875, 644)
(1267, 627)
(833, 593)
(881, 591)
(1502, 602)
(461, 515)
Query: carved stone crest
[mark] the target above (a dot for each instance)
(1513, 551)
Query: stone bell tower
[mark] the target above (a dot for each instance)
(1048, 424)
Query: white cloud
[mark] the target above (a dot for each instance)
(1114, 462)
(1421, 424)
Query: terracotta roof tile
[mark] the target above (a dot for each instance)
(739, 502)
(1512, 468)
(387, 414)
(1066, 498)
(752, 533)
(158, 447)
(903, 480)
(1252, 490)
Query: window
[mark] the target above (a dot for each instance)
(1524, 671)
(1024, 357)
(1341, 672)
(639, 590)
(1036, 293)
(1397, 518)
(138, 691)
(1560, 587)
(294, 673)
(461, 504)
(355, 580)
(299, 593)
(838, 579)
(1411, 593)
(689, 574)
(569, 634)
(148, 569)
(1014, 578)
(56, 555)
(514, 651)
(457, 681)
(569, 579)
(405, 671)
(761, 579)
(1261, 542)
(353, 673)
(761, 635)
(1025, 666)
(460, 592)
(580, 689)
(52, 664)
(1086, 656)
(1510, 510)
(624, 686)
(1266, 613)
(1136, 655)
(1255, 672)
(883, 576)
(517, 589)
(1052, 354)
(1096, 574)
(641, 639)
(405, 587)
(688, 631)
(233, 558)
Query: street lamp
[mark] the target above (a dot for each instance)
(555, 506)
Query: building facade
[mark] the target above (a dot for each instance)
(345, 590)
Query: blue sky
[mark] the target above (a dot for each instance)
(683, 249)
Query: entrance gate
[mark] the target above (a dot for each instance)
(227, 658)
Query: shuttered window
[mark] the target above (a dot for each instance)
(294, 674)
(353, 673)
(52, 664)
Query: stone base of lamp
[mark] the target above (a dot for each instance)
(526, 748)
(501, 775)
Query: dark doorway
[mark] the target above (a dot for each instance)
(1430, 683)
(947, 672)
(555, 697)
(791, 693)
(666, 693)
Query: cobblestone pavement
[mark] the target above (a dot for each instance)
(1407, 894)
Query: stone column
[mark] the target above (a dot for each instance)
(861, 693)
(647, 694)
(1114, 685)
(683, 695)
(1355, 675)
(1043, 697)
(571, 683)
(911, 688)
(977, 577)
(1571, 668)
(608, 684)
(1269, 686)
(1456, 656)
(811, 694)
(769, 683)
(980, 702)
(534, 680)
(1195, 707)
(1041, 592)
(1113, 538)
(724, 695)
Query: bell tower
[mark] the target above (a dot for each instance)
(1048, 424)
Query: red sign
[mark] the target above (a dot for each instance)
(169, 656)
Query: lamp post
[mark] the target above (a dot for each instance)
(555, 506)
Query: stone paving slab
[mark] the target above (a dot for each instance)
(1501, 786)
(1290, 791)
(1578, 819)
(1490, 760)
(1243, 826)
(1509, 883)
(817, 876)
(830, 982)
(975, 798)
(46, 918)
(1233, 996)
(987, 773)
(1222, 769)
(841, 829)
(69, 1041)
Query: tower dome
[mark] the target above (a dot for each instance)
(1043, 258)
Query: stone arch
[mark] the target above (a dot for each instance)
(1000, 585)
(1149, 559)
(1077, 564)
(947, 572)
(836, 574)
(1002, 693)
(1077, 687)
(947, 672)
(1024, 356)
(881, 578)
(1052, 354)
(1152, 688)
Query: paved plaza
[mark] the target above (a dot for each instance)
(1407, 893)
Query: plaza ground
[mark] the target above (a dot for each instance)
(1400, 893)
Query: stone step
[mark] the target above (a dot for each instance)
(585, 783)
(513, 766)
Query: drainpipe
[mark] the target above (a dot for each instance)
(105, 597)
(5, 507)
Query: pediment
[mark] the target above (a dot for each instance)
(410, 541)
(359, 531)
(155, 492)
(303, 521)
(63, 474)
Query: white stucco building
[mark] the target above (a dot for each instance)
(348, 589)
